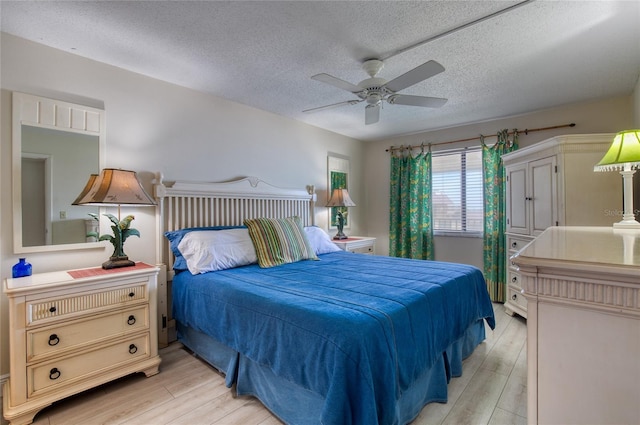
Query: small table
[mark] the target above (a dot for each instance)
(359, 244)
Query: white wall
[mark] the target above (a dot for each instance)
(636, 105)
(603, 116)
(154, 126)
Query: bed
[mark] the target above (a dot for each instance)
(332, 338)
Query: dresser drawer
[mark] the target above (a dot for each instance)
(47, 376)
(40, 311)
(513, 278)
(515, 297)
(54, 339)
(516, 243)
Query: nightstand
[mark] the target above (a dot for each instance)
(359, 244)
(74, 330)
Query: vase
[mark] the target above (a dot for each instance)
(21, 268)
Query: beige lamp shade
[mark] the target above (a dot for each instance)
(114, 187)
(340, 198)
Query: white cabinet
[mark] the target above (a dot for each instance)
(552, 183)
(71, 331)
(583, 332)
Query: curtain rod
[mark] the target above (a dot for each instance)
(526, 131)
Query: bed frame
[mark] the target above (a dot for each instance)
(184, 204)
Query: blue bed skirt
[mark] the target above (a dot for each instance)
(294, 404)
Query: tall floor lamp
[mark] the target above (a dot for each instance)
(624, 155)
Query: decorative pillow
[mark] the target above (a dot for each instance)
(217, 250)
(320, 241)
(176, 236)
(279, 241)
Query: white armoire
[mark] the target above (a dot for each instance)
(552, 183)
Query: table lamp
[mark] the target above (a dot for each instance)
(340, 198)
(624, 155)
(115, 187)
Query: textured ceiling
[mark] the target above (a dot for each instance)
(538, 55)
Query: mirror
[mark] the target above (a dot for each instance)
(56, 146)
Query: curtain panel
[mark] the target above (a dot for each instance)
(410, 227)
(494, 249)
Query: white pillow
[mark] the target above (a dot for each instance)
(212, 250)
(320, 240)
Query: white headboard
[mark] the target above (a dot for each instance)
(183, 204)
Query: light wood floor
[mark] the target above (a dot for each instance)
(492, 390)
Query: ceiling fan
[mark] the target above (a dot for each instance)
(376, 90)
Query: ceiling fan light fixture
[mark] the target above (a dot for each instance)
(372, 67)
(374, 91)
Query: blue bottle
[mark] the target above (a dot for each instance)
(21, 268)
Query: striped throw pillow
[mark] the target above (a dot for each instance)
(279, 241)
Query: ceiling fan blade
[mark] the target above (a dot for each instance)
(428, 102)
(420, 73)
(337, 82)
(372, 114)
(334, 105)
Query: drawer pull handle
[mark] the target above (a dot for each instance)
(133, 349)
(132, 294)
(514, 279)
(54, 374)
(514, 245)
(514, 297)
(131, 320)
(53, 340)
(52, 309)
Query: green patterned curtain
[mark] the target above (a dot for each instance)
(410, 229)
(494, 214)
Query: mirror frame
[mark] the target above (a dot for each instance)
(53, 114)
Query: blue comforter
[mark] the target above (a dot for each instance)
(356, 329)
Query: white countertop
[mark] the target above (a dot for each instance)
(584, 248)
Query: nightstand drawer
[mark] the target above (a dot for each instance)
(357, 244)
(48, 375)
(54, 339)
(75, 305)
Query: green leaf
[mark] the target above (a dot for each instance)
(113, 219)
(129, 232)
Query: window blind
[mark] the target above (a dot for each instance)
(456, 188)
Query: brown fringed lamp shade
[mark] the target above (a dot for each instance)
(340, 198)
(115, 187)
(87, 188)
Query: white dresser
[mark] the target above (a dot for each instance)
(71, 331)
(582, 285)
(552, 183)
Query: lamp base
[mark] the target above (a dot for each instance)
(340, 236)
(116, 262)
(627, 224)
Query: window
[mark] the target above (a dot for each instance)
(457, 194)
